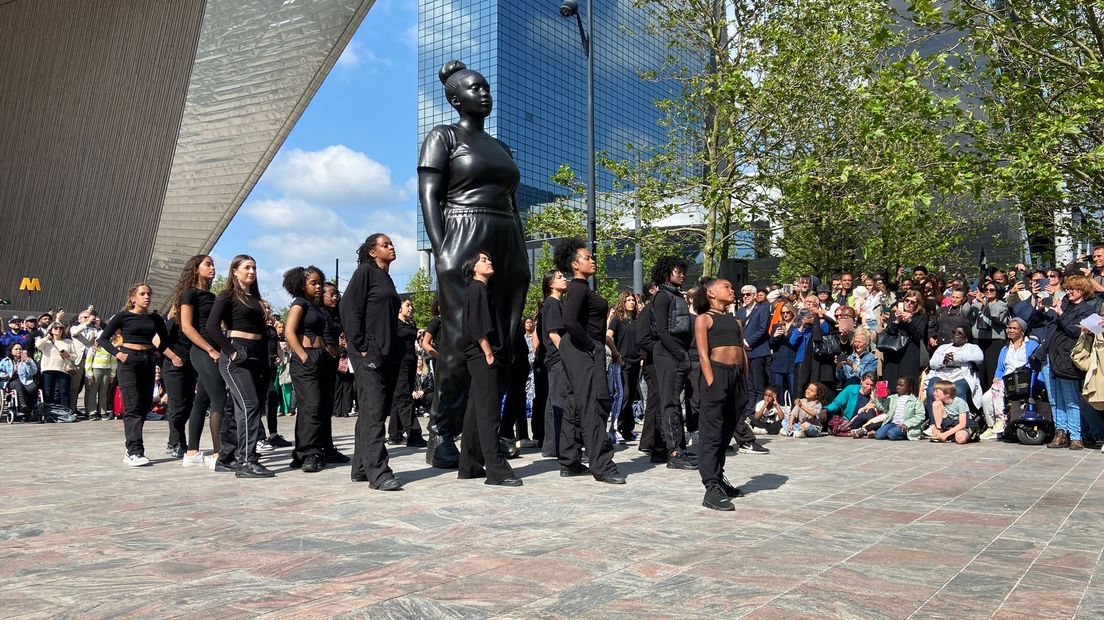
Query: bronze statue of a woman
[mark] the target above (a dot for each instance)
(466, 186)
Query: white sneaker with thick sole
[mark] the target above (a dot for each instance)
(135, 460)
(759, 430)
(197, 460)
(264, 446)
(799, 434)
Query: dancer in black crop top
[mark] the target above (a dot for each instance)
(303, 331)
(722, 386)
(137, 356)
(582, 351)
(243, 362)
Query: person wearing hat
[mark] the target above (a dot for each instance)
(30, 328)
(1014, 356)
(755, 317)
(15, 334)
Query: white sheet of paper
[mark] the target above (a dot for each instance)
(1093, 324)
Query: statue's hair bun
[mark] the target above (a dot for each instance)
(450, 68)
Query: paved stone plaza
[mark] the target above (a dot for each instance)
(829, 528)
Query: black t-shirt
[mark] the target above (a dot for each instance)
(135, 328)
(584, 315)
(624, 336)
(434, 327)
(370, 311)
(550, 320)
(312, 323)
(228, 310)
(201, 302)
(479, 320)
(481, 171)
(408, 333)
(178, 342)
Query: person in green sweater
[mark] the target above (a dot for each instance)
(904, 412)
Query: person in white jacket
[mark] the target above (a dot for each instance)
(956, 362)
(59, 354)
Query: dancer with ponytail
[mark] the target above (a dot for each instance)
(723, 386)
(181, 382)
(244, 359)
(303, 333)
(370, 316)
(137, 357)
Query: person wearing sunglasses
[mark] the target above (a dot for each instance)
(784, 354)
(990, 317)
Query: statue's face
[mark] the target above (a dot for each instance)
(473, 98)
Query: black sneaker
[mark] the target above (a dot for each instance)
(716, 498)
(278, 441)
(682, 461)
(226, 468)
(395, 442)
(252, 469)
(172, 448)
(730, 490)
(573, 470)
(659, 457)
(416, 442)
(312, 464)
(335, 457)
(753, 448)
(179, 452)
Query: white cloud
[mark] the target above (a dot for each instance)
(335, 174)
(291, 213)
(350, 57)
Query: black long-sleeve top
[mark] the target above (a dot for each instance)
(663, 306)
(584, 315)
(479, 321)
(408, 333)
(136, 328)
(370, 311)
(228, 310)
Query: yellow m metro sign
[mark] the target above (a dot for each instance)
(30, 285)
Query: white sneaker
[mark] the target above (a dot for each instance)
(928, 432)
(799, 434)
(264, 446)
(998, 427)
(989, 435)
(197, 460)
(759, 430)
(135, 460)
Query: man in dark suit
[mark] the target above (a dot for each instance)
(755, 317)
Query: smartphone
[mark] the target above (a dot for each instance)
(787, 289)
(881, 389)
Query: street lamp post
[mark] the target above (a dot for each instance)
(570, 8)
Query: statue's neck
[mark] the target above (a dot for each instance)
(471, 124)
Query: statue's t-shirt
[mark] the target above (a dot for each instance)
(480, 169)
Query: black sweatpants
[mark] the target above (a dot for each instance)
(651, 437)
(136, 385)
(540, 404)
(558, 403)
(402, 425)
(245, 379)
(722, 407)
(180, 385)
(590, 412)
(374, 387)
(344, 393)
(479, 453)
(630, 381)
(327, 384)
(756, 383)
(670, 379)
(210, 394)
(306, 380)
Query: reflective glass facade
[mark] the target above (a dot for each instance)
(534, 62)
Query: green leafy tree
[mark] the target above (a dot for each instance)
(421, 292)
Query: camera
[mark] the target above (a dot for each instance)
(569, 8)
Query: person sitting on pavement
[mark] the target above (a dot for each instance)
(954, 362)
(953, 421)
(855, 405)
(769, 414)
(904, 413)
(806, 417)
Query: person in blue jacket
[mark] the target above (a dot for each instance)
(784, 355)
(1015, 355)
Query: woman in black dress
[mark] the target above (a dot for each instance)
(137, 360)
(466, 186)
(370, 317)
(583, 353)
(479, 454)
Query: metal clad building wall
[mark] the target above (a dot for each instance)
(257, 67)
(91, 96)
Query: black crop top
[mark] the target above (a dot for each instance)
(725, 331)
(201, 302)
(312, 324)
(136, 329)
(246, 317)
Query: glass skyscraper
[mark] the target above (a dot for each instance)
(534, 62)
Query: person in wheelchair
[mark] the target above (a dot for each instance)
(1013, 369)
(17, 373)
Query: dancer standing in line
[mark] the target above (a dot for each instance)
(403, 427)
(466, 186)
(193, 301)
(137, 360)
(331, 301)
(671, 355)
(303, 334)
(723, 386)
(583, 356)
(483, 347)
(550, 329)
(370, 317)
(243, 360)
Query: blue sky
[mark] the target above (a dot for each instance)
(347, 169)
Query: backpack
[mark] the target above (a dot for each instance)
(54, 413)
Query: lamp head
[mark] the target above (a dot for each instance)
(569, 8)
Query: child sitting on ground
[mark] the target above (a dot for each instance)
(807, 415)
(952, 416)
(769, 414)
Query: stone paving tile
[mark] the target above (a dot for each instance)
(828, 528)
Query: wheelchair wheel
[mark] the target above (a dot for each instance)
(1031, 435)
